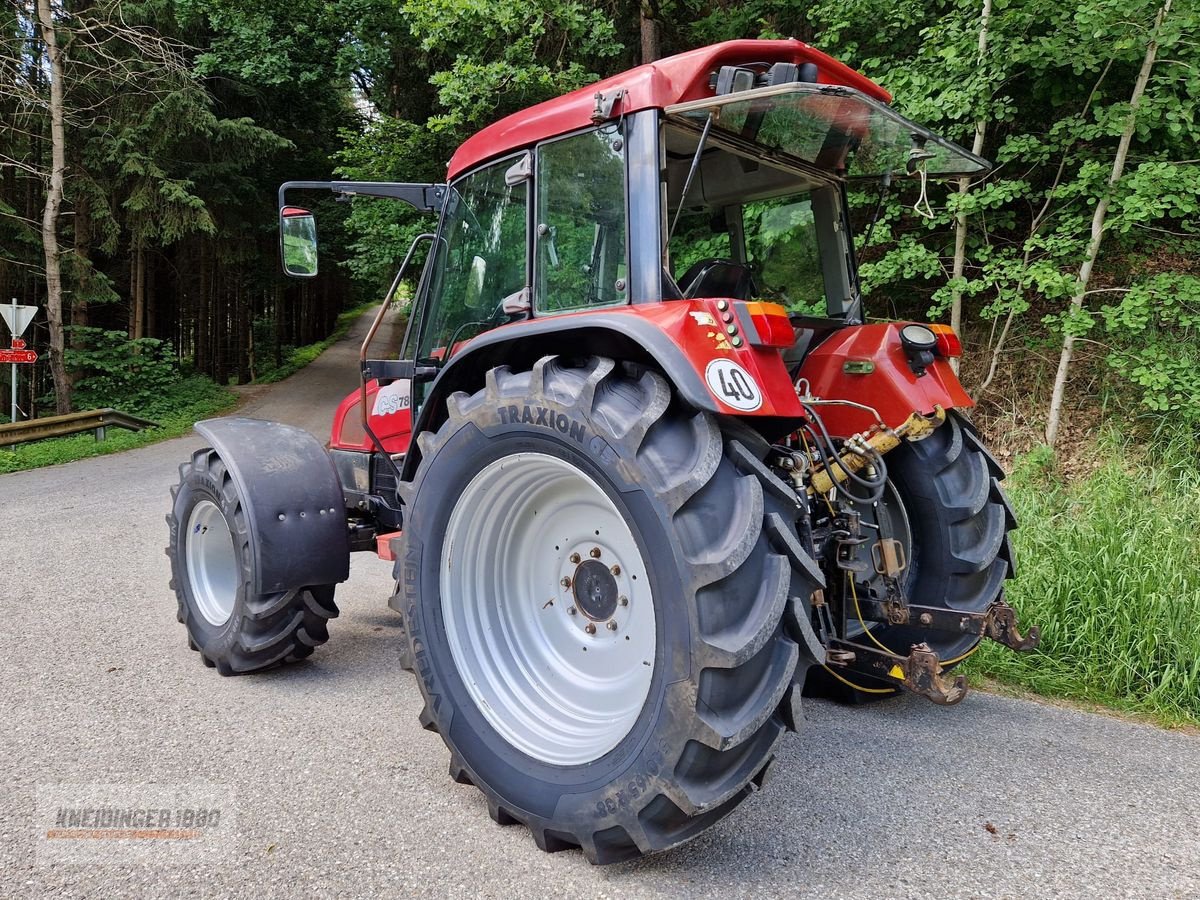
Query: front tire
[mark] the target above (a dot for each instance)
(620, 740)
(234, 629)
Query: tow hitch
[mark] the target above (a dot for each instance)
(920, 672)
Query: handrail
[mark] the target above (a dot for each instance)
(97, 420)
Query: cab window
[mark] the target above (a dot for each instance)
(480, 260)
(580, 223)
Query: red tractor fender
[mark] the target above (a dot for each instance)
(690, 343)
(868, 364)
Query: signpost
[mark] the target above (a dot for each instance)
(17, 318)
(17, 357)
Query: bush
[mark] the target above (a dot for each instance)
(130, 375)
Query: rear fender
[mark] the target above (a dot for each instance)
(891, 387)
(680, 338)
(291, 498)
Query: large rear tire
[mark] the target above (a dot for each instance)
(959, 550)
(234, 628)
(595, 583)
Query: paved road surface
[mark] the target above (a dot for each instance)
(336, 790)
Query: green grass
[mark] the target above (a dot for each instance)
(299, 357)
(1109, 567)
(191, 400)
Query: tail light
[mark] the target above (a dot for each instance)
(948, 344)
(771, 322)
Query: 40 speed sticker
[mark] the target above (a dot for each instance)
(733, 385)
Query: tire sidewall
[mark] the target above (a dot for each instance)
(627, 772)
(214, 641)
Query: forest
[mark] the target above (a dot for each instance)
(141, 145)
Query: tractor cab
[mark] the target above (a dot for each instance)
(716, 177)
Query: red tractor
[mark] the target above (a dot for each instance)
(646, 474)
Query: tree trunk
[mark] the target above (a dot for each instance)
(54, 194)
(651, 49)
(1054, 417)
(137, 302)
(83, 262)
(148, 293)
(960, 218)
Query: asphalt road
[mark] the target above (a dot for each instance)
(332, 788)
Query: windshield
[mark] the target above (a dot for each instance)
(833, 128)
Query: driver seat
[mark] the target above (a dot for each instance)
(717, 278)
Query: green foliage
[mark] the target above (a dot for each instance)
(130, 375)
(1154, 329)
(1117, 594)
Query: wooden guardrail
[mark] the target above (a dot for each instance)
(97, 420)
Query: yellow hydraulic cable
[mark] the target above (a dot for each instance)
(958, 659)
(858, 613)
(845, 681)
(857, 687)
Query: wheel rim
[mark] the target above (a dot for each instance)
(211, 562)
(548, 609)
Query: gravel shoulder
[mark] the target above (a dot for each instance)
(334, 789)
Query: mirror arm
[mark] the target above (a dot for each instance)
(423, 197)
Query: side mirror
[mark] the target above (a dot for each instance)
(298, 242)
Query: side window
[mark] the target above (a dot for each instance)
(580, 219)
(480, 260)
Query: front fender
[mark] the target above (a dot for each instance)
(292, 500)
(891, 387)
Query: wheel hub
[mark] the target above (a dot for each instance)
(595, 590)
(212, 565)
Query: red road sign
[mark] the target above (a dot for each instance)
(18, 344)
(17, 356)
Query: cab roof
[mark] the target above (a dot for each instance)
(675, 79)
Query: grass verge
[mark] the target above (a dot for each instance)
(1108, 567)
(191, 400)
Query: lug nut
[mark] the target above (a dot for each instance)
(624, 601)
(575, 558)
(595, 553)
(616, 570)
(566, 582)
(570, 610)
(590, 627)
(611, 625)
